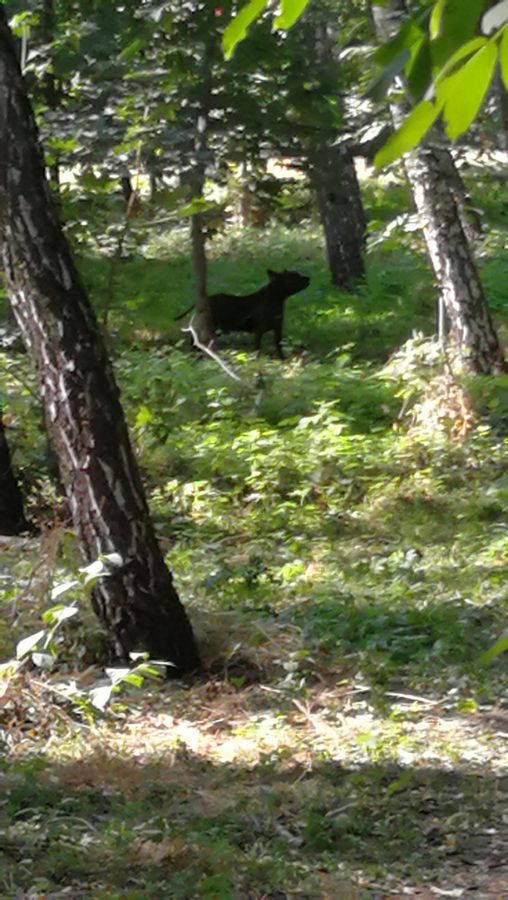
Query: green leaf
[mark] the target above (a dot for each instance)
(400, 784)
(436, 17)
(237, 29)
(27, 644)
(132, 49)
(419, 69)
(43, 660)
(463, 92)
(408, 50)
(100, 696)
(503, 56)
(115, 560)
(133, 678)
(466, 49)
(291, 10)
(63, 588)
(452, 23)
(382, 81)
(58, 614)
(410, 132)
(499, 647)
(408, 35)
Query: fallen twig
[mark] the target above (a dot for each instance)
(215, 356)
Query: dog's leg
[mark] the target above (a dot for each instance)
(277, 333)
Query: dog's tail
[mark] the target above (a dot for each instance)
(184, 313)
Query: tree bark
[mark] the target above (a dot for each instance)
(138, 603)
(12, 516)
(459, 284)
(469, 216)
(204, 322)
(51, 91)
(333, 175)
(502, 107)
(460, 289)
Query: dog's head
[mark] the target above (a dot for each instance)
(288, 282)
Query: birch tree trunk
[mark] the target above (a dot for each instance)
(450, 254)
(138, 603)
(469, 217)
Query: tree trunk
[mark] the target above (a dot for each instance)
(333, 175)
(204, 322)
(460, 289)
(138, 603)
(12, 516)
(469, 216)
(52, 94)
(502, 107)
(244, 203)
(459, 284)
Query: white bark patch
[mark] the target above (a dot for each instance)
(25, 212)
(132, 478)
(66, 276)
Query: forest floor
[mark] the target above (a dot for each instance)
(337, 526)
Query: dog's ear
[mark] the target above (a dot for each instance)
(272, 275)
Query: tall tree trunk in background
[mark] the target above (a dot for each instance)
(50, 85)
(460, 288)
(502, 111)
(333, 175)
(12, 516)
(244, 202)
(138, 603)
(204, 322)
(196, 177)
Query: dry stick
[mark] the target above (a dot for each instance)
(365, 689)
(209, 352)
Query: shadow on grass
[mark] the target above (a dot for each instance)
(178, 825)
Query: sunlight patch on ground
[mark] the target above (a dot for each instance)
(240, 728)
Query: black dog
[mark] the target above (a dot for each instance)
(258, 312)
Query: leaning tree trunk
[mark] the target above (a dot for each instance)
(138, 603)
(470, 218)
(460, 288)
(334, 178)
(51, 90)
(12, 516)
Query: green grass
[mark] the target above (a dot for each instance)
(360, 568)
(290, 830)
